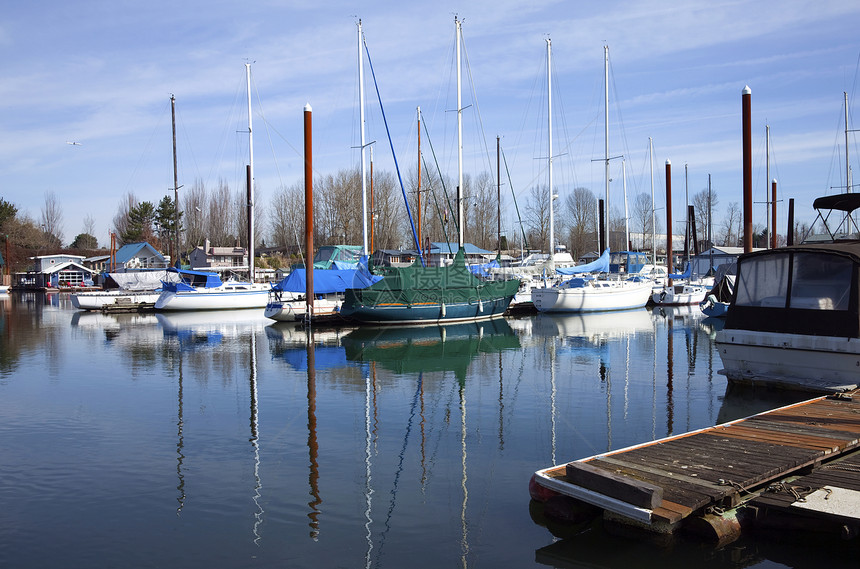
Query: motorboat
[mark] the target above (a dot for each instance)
(794, 320)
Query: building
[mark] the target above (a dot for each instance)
(215, 258)
(138, 256)
(55, 271)
(442, 254)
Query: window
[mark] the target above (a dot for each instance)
(763, 281)
(820, 282)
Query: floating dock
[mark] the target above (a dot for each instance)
(720, 477)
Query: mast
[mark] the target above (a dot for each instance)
(418, 192)
(653, 214)
(626, 216)
(372, 210)
(847, 167)
(606, 137)
(498, 197)
(687, 236)
(175, 181)
(767, 183)
(250, 181)
(361, 119)
(549, 153)
(460, 219)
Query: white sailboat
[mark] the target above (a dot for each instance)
(200, 290)
(588, 293)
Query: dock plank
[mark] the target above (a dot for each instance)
(717, 465)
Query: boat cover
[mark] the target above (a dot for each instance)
(142, 280)
(327, 280)
(600, 265)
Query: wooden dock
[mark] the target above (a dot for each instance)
(683, 479)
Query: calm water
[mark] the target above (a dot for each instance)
(221, 440)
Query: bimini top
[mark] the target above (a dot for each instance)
(841, 202)
(601, 265)
(191, 280)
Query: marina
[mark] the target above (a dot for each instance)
(340, 446)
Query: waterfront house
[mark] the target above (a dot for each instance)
(138, 256)
(54, 271)
(442, 254)
(215, 258)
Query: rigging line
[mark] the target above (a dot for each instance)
(229, 120)
(436, 205)
(394, 155)
(262, 116)
(180, 116)
(516, 206)
(618, 111)
(441, 178)
(477, 108)
(401, 457)
(146, 149)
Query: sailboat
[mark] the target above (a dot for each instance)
(200, 290)
(426, 295)
(587, 293)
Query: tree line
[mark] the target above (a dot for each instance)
(219, 214)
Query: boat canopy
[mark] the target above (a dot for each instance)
(189, 280)
(808, 289)
(685, 275)
(627, 262)
(601, 265)
(327, 280)
(840, 202)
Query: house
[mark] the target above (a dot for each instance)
(137, 256)
(54, 271)
(442, 254)
(714, 257)
(393, 258)
(99, 264)
(209, 257)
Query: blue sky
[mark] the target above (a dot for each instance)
(101, 73)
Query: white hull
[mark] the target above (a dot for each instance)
(597, 296)
(295, 310)
(4, 289)
(795, 361)
(102, 300)
(225, 297)
(679, 294)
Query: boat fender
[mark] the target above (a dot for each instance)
(540, 493)
(443, 310)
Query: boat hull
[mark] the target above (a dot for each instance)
(679, 295)
(429, 313)
(823, 364)
(296, 310)
(617, 296)
(107, 300)
(212, 299)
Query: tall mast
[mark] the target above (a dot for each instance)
(250, 181)
(653, 215)
(175, 181)
(847, 167)
(418, 193)
(767, 183)
(549, 153)
(606, 137)
(626, 216)
(361, 119)
(460, 219)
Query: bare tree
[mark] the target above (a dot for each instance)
(221, 226)
(194, 211)
(482, 201)
(52, 219)
(730, 231)
(121, 220)
(580, 213)
(703, 202)
(287, 215)
(537, 216)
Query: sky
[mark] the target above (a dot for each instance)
(101, 73)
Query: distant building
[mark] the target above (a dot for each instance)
(138, 256)
(209, 257)
(55, 271)
(442, 254)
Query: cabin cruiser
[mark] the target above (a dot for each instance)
(794, 320)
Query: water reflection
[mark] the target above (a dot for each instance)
(429, 348)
